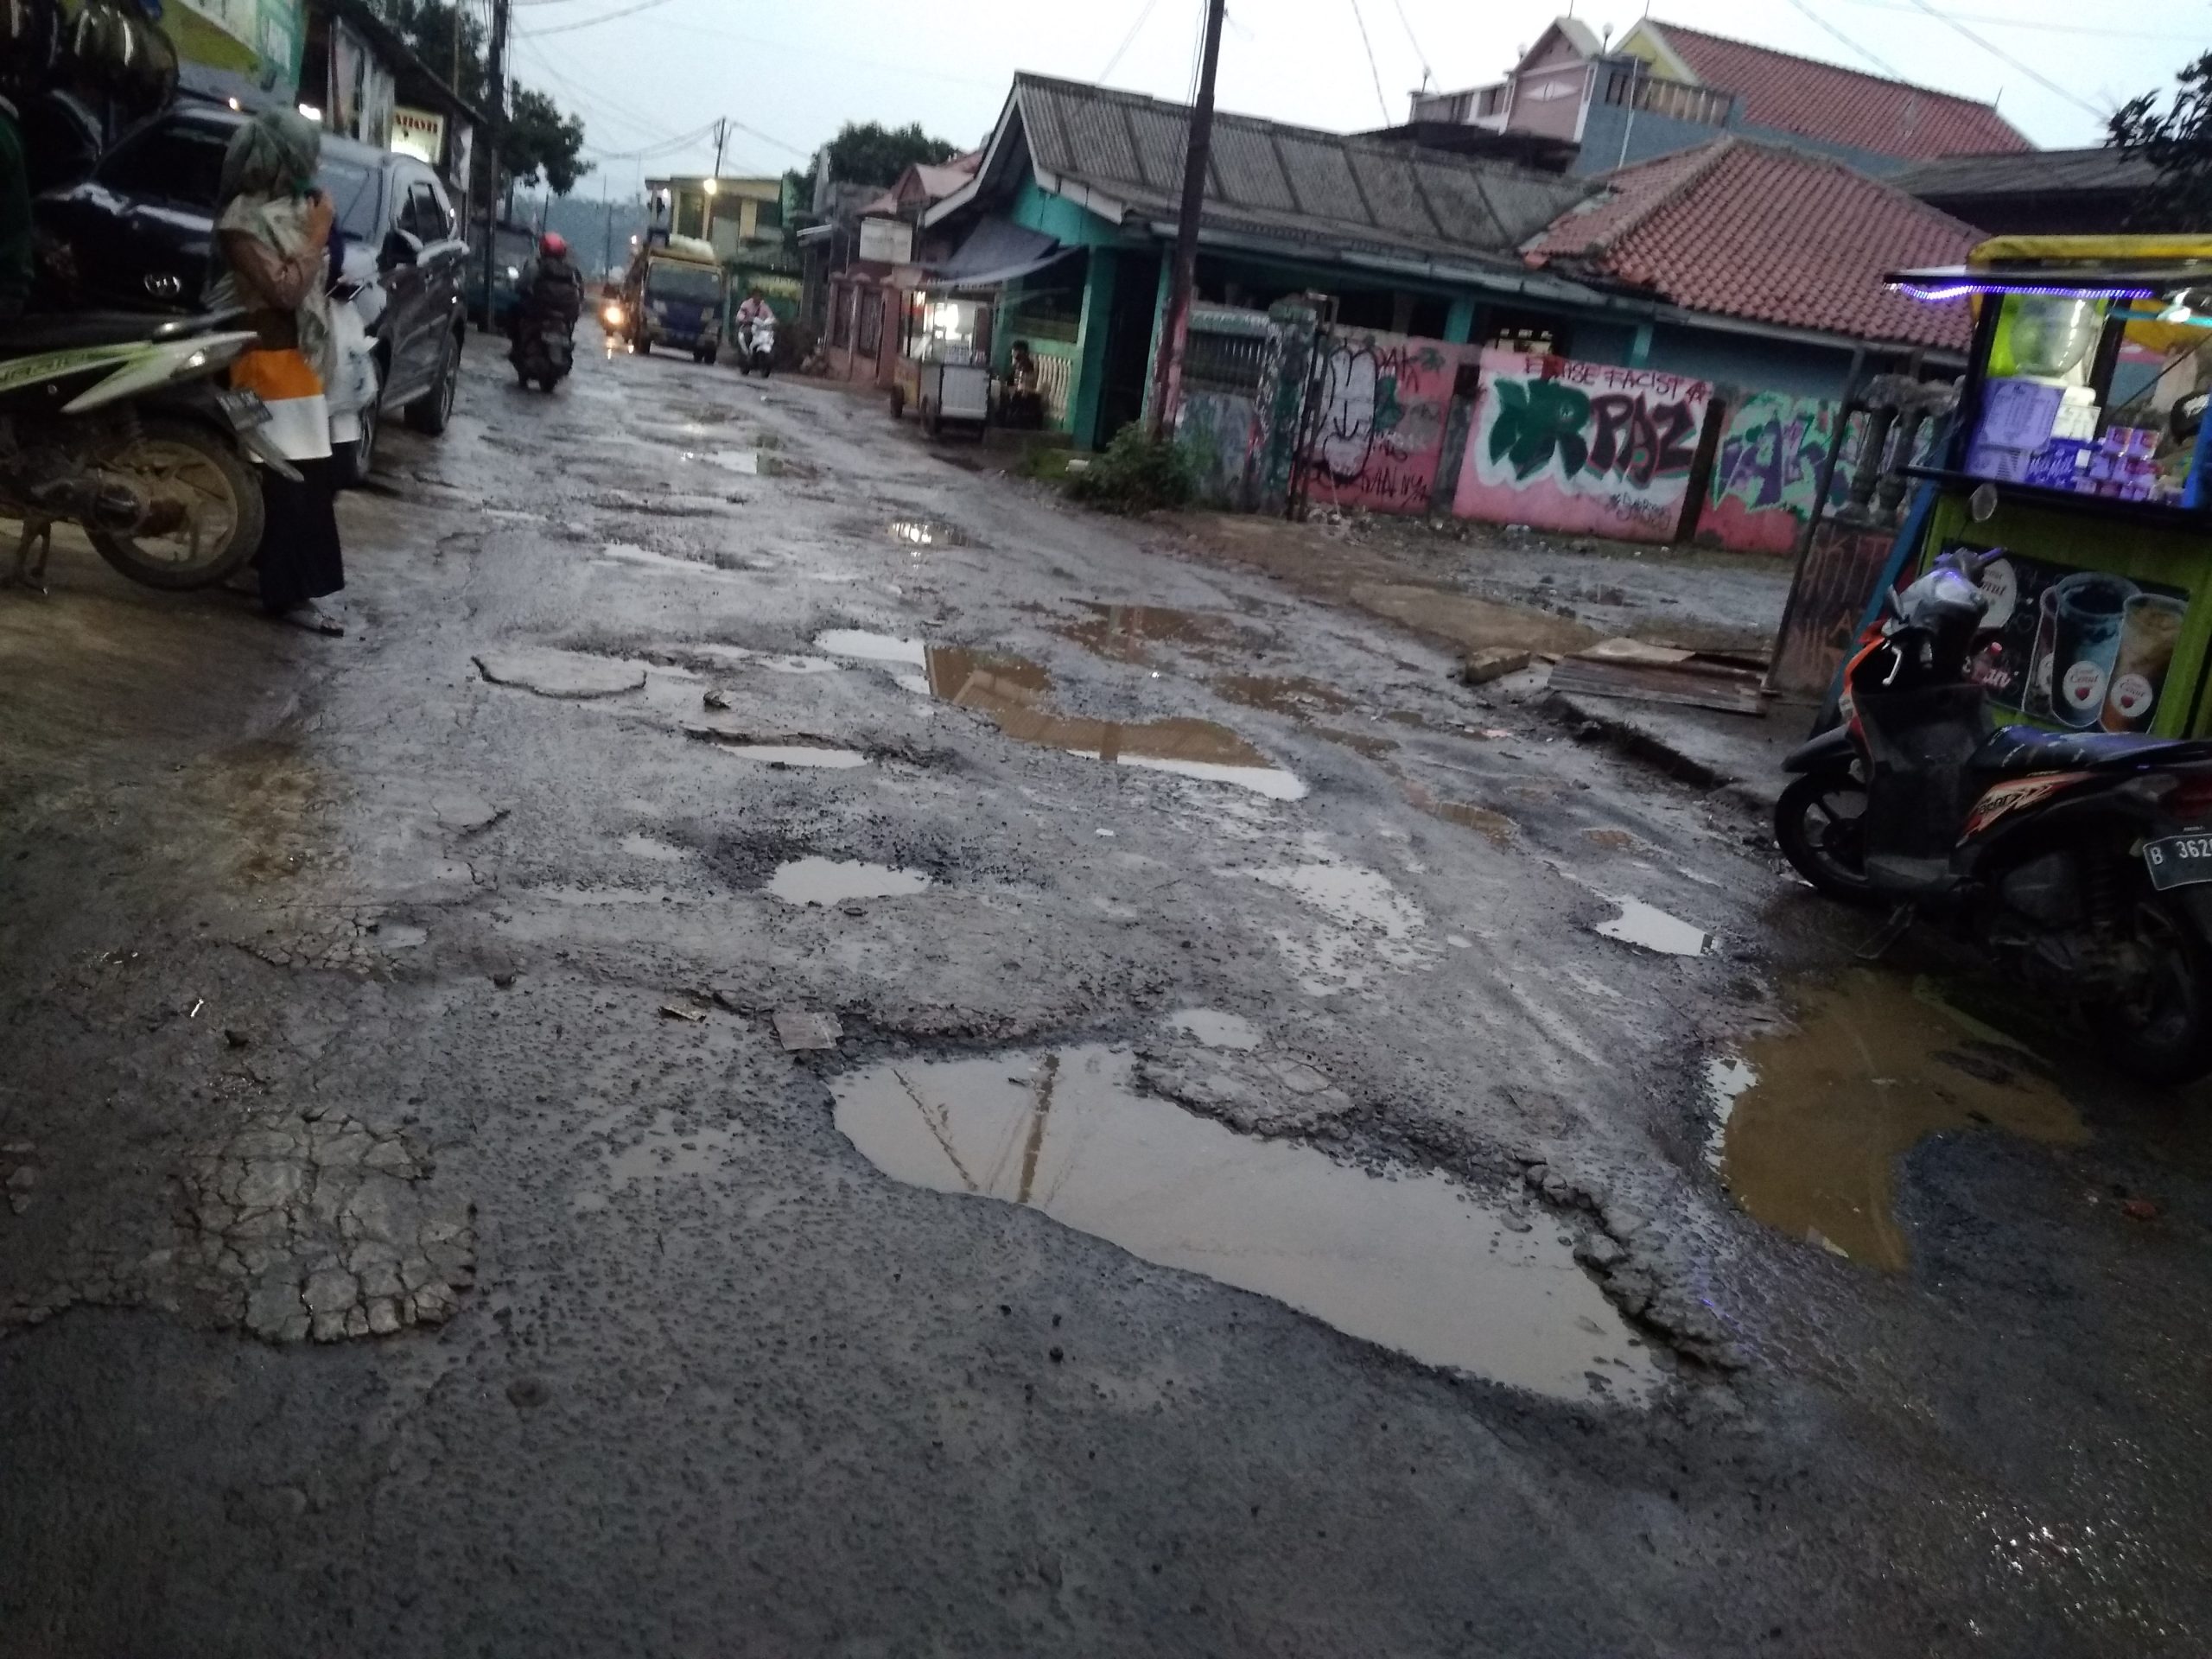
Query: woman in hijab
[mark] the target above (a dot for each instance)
(272, 236)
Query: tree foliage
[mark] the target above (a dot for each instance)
(540, 142)
(870, 152)
(2177, 142)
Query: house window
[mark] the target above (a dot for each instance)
(768, 216)
(1490, 100)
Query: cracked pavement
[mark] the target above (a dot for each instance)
(419, 1238)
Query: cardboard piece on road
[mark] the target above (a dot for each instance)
(802, 1029)
(1492, 662)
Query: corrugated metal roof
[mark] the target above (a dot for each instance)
(1293, 182)
(2034, 173)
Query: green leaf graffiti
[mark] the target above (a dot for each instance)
(1537, 420)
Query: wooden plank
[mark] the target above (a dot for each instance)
(1641, 683)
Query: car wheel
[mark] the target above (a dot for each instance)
(712, 353)
(644, 345)
(430, 413)
(897, 402)
(353, 462)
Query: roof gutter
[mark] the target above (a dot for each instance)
(1525, 284)
(1714, 322)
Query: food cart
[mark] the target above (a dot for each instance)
(944, 366)
(2079, 448)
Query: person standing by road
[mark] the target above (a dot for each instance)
(272, 233)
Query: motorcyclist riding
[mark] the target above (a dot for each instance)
(551, 290)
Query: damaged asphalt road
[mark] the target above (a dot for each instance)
(791, 1048)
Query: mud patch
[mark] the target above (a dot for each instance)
(569, 675)
(1813, 1119)
(1131, 633)
(830, 881)
(1417, 1263)
(744, 462)
(1614, 841)
(1216, 1029)
(1292, 696)
(1370, 927)
(669, 1150)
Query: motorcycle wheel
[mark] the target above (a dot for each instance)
(2163, 1036)
(173, 455)
(1817, 824)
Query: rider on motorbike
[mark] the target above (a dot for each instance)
(550, 291)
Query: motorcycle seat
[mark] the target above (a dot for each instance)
(2019, 751)
(69, 331)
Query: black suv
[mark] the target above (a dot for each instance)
(141, 231)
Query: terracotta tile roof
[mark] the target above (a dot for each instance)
(1769, 234)
(1836, 105)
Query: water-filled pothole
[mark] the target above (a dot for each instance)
(1653, 929)
(1815, 1118)
(833, 880)
(1126, 633)
(927, 532)
(1215, 1029)
(1417, 1263)
(1012, 692)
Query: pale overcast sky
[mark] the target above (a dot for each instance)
(793, 73)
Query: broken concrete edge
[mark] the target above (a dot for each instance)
(1580, 715)
(1489, 663)
(1619, 1249)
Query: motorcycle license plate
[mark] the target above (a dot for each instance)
(2178, 861)
(243, 409)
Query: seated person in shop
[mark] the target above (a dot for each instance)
(1025, 403)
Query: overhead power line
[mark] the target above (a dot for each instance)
(593, 22)
(2003, 56)
(1819, 22)
(2097, 30)
(1381, 102)
(1129, 40)
(1427, 74)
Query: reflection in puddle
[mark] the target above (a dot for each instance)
(1413, 1264)
(870, 647)
(1216, 1029)
(1811, 1143)
(746, 462)
(927, 532)
(829, 880)
(1298, 697)
(1653, 929)
(1123, 632)
(1010, 689)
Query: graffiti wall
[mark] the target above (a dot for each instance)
(1584, 447)
(1217, 431)
(1375, 435)
(1838, 577)
(1766, 472)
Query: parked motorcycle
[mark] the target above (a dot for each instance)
(2080, 862)
(759, 347)
(113, 422)
(545, 353)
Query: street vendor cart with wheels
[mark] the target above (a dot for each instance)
(945, 362)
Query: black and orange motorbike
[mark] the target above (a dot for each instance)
(2080, 861)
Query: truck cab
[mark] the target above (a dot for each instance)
(674, 295)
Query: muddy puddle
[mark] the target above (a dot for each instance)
(1128, 634)
(1416, 1262)
(833, 880)
(1294, 696)
(744, 462)
(667, 1151)
(1013, 692)
(773, 662)
(820, 756)
(1649, 928)
(1815, 1118)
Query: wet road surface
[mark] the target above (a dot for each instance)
(791, 1048)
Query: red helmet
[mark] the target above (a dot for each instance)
(555, 246)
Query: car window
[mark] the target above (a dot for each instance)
(176, 164)
(425, 215)
(352, 189)
(670, 279)
(447, 219)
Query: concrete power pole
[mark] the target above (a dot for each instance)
(1168, 371)
(496, 85)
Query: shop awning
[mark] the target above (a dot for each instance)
(997, 251)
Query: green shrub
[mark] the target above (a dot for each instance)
(1135, 473)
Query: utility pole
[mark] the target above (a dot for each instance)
(1167, 372)
(714, 179)
(496, 85)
